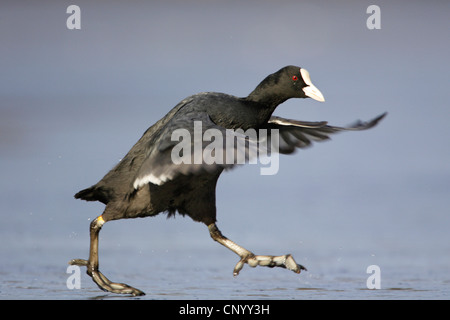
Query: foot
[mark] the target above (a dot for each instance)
(103, 282)
(286, 261)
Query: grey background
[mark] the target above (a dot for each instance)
(72, 103)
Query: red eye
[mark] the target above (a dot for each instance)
(295, 78)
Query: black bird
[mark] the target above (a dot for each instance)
(148, 181)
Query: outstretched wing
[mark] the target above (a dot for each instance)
(300, 134)
(192, 143)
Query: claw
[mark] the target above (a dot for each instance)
(292, 265)
(238, 267)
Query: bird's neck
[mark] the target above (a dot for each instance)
(266, 96)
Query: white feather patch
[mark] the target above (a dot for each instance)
(149, 178)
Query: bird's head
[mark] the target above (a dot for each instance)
(288, 82)
(296, 82)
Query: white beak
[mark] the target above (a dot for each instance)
(311, 90)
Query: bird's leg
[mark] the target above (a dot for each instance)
(92, 264)
(284, 261)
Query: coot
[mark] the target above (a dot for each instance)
(148, 180)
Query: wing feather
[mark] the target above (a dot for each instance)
(159, 165)
(300, 134)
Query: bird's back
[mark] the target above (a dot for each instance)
(119, 181)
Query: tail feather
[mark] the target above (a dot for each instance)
(94, 193)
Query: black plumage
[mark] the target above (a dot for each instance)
(147, 181)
